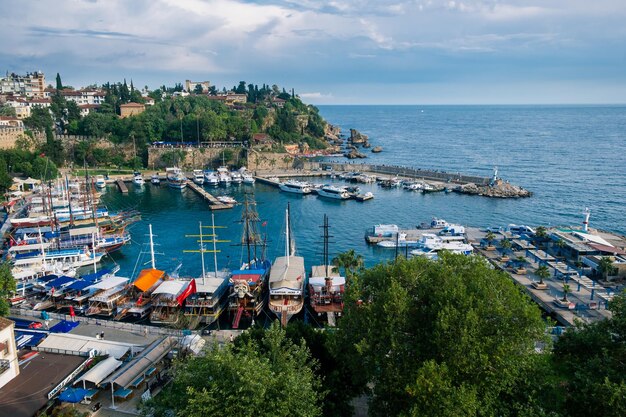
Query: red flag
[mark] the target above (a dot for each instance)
(264, 224)
(52, 291)
(72, 314)
(140, 299)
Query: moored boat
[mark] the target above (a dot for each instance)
(175, 178)
(295, 187)
(100, 181)
(155, 179)
(334, 192)
(287, 280)
(198, 176)
(138, 179)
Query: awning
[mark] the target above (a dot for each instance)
(101, 371)
(80, 231)
(607, 249)
(28, 248)
(59, 282)
(84, 344)
(73, 395)
(107, 283)
(97, 275)
(147, 278)
(141, 363)
(79, 285)
(180, 289)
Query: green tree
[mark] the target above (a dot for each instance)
(273, 377)
(506, 245)
(5, 178)
(349, 261)
(591, 365)
(59, 85)
(454, 327)
(198, 89)
(489, 237)
(6, 110)
(7, 288)
(605, 266)
(566, 290)
(543, 273)
(39, 119)
(541, 232)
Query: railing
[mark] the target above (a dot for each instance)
(129, 327)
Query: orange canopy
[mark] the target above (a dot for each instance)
(147, 278)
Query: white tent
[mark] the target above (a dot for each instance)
(102, 370)
(107, 283)
(60, 342)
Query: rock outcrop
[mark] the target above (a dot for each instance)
(353, 154)
(377, 149)
(499, 190)
(357, 137)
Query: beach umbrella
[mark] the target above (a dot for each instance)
(73, 395)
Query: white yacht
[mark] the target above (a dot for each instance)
(248, 179)
(224, 175)
(211, 178)
(198, 176)
(175, 178)
(155, 179)
(330, 191)
(226, 199)
(138, 179)
(296, 187)
(236, 177)
(431, 245)
(100, 182)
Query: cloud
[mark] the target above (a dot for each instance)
(316, 95)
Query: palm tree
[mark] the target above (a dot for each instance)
(541, 232)
(566, 290)
(520, 261)
(605, 266)
(505, 244)
(560, 244)
(489, 237)
(349, 260)
(543, 273)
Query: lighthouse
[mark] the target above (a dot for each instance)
(587, 213)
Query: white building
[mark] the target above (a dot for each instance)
(32, 84)
(83, 97)
(9, 366)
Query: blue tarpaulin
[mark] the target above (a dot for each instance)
(25, 338)
(79, 285)
(96, 275)
(47, 278)
(73, 395)
(59, 282)
(63, 326)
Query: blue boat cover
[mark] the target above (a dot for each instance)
(59, 281)
(96, 275)
(47, 278)
(249, 272)
(79, 285)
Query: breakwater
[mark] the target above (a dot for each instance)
(441, 176)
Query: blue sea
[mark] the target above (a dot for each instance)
(570, 157)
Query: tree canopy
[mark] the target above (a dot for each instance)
(270, 377)
(451, 337)
(7, 288)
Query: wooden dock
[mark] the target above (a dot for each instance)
(214, 203)
(122, 186)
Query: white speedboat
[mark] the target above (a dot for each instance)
(198, 176)
(175, 178)
(226, 199)
(211, 178)
(138, 179)
(100, 181)
(400, 241)
(224, 176)
(236, 177)
(331, 191)
(248, 179)
(431, 245)
(155, 179)
(296, 187)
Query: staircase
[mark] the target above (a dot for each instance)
(238, 317)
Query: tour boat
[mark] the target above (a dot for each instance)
(198, 176)
(247, 292)
(175, 178)
(108, 293)
(168, 300)
(326, 286)
(287, 280)
(331, 191)
(100, 182)
(138, 179)
(296, 187)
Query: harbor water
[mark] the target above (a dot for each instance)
(567, 156)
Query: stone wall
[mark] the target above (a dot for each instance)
(269, 161)
(194, 158)
(8, 136)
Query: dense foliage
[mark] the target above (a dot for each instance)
(7, 288)
(270, 377)
(452, 337)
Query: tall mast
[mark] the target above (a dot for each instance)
(93, 252)
(326, 244)
(287, 246)
(202, 253)
(214, 243)
(247, 230)
(151, 247)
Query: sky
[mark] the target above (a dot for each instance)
(333, 51)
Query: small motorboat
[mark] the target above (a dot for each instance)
(138, 179)
(100, 181)
(155, 179)
(248, 179)
(226, 199)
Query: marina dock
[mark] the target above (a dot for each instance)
(122, 186)
(214, 203)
